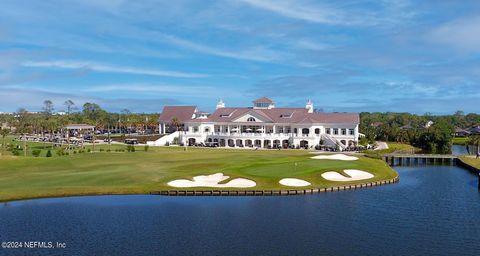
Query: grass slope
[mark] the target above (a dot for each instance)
(393, 147)
(475, 162)
(142, 172)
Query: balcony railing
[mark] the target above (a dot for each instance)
(251, 134)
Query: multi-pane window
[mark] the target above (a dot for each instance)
(335, 131)
(328, 131)
(344, 131)
(352, 132)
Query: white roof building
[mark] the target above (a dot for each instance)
(263, 125)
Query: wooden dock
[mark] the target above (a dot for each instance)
(419, 159)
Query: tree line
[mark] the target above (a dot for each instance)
(431, 133)
(48, 121)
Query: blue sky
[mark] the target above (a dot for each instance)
(379, 55)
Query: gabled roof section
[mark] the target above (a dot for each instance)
(255, 113)
(181, 113)
(336, 118)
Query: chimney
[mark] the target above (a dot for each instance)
(309, 106)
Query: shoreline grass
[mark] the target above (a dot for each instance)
(472, 161)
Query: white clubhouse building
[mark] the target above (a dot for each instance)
(262, 125)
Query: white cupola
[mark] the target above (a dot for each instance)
(220, 104)
(309, 106)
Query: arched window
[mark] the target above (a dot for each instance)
(251, 119)
(207, 129)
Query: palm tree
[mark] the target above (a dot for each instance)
(70, 105)
(475, 141)
(175, 123)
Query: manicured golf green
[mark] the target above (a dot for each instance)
(113, 172)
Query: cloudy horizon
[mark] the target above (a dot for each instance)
(389, 55)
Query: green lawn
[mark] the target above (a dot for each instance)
(475, 162)
(143, 172)
(459, 140)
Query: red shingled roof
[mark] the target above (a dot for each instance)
(274, 115)
(182, 113)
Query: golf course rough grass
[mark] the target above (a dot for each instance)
(142, 172)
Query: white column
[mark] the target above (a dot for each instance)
(355, 132)
(274, 129)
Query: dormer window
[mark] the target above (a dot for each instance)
(251, 119)
(286, 115)
(226, 114)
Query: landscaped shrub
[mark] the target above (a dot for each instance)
(36, 152)
(88, 150)
(101, 150)
(146, 148)
(130, 148)
(60, 152)
(74, 151)
(108, 150)
(15, 152)
(49, 153)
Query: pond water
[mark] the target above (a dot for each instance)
(459, 150)
(432, 211)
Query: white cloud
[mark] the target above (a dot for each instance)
(311, 45)
(296, 10)
(172, 89)
(462, 34)
(256, 54)
(65, 64)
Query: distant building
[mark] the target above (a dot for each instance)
(173, 118)
(428, 124)
(459, 132)
(262, 125)
(474, 130)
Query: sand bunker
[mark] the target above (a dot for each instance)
(336, 157)
(354, 175)
(291, 182)
(212, 181)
